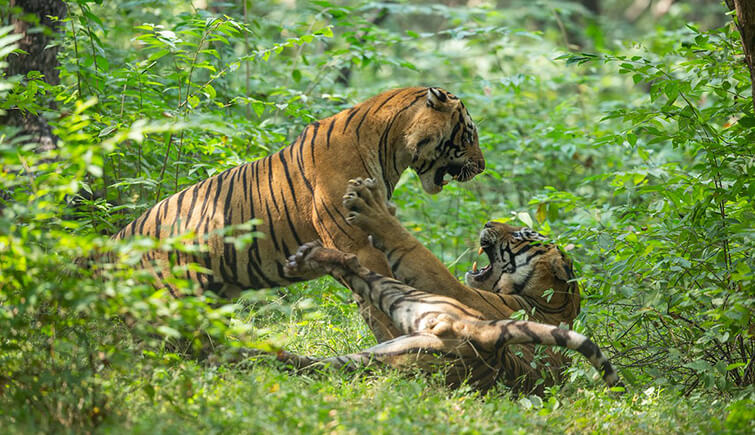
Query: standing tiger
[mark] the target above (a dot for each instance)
(442, 321)
(297, 191)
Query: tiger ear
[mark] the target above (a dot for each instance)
(440, 100)
(562, 267)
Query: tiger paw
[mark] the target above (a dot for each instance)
(298, 266)
(312, 260)
(368, 208)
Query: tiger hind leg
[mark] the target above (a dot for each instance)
(415, 350)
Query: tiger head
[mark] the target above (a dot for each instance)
(442, 140)
(522, 263)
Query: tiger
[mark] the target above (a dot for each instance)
(468, 328)
(296, 192)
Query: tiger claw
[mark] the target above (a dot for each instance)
(297, 264)
(366, 204)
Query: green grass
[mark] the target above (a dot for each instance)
(187, 396)
(265, 399)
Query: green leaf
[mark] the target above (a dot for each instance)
(259, 108)
(525, 218)
(734, 366)
(327, 32)
(107, 130)
(158, 54)
(541, 212)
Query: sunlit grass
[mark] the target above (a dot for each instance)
(263, 397)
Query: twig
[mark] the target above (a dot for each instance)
(76, 53)
(165, 164)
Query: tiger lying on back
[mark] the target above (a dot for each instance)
(446, 322)
(297, 191)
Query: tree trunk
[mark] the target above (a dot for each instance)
(746, 24)
(592, 6)
(38, 56)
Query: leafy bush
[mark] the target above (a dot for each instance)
(639, 155)
(672, 248)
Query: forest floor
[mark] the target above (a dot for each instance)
(263, 397)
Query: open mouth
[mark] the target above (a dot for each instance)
(484, 273)
(452, 170)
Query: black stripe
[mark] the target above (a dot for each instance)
(395, 264)
(359, 126)
(519, 287)
(335, 221)
(588, 349)
(484, 299)
(219, 188)
(316, 127)
(144, 218)
(380, 106)
(364, 165)
(129, 230)
(227, 210)
(300, 161)
(190, 212)
(292, 227)
(205, 202)
(560, 336)
(162, 212)
(330, 130)
(353, 111)
(223, 272)
(257, 165)
(606, 368)
(256, 277)
(524, 328)
(229, 251)
(245, 185)
(272, 228)
(383, 292)
(144, 221)
(288, 179)
(271, 193)
(322, 224)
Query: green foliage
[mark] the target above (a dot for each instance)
(639, 155)
(675, 240)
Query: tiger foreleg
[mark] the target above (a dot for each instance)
(409, 260)
(410, 310)
(312, 260)
(370, 211)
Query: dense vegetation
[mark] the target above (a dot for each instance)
(628, 142)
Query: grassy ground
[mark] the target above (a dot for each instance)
(261, 397)
(267, 400)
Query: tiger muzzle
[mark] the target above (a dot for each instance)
(469, 170)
